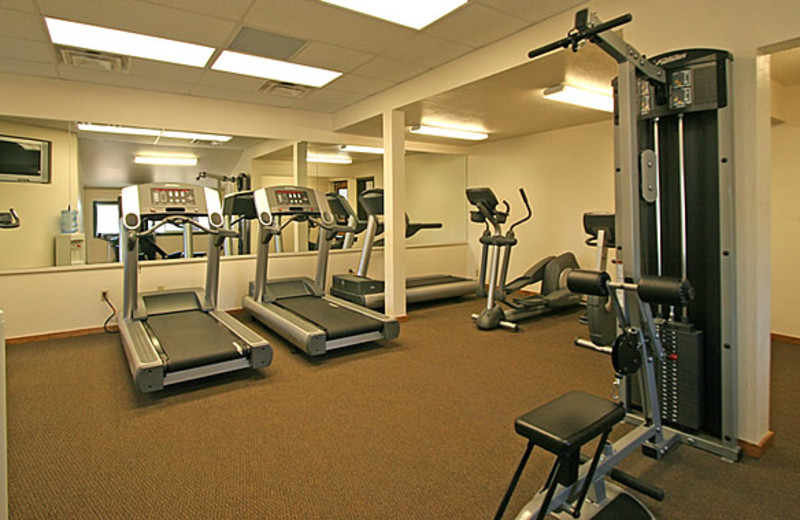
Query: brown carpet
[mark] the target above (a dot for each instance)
(420, 427)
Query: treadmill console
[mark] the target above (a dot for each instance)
(156, 200)
(291, 201)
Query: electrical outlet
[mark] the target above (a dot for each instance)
(104, 294)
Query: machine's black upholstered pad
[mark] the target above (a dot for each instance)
(564, 424)
(338, 322)
(439, 279)
(193, 339)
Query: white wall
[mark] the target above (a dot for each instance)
(435, 185)
(63, 299)
(39, 205)
(564, 173)
(786, 213)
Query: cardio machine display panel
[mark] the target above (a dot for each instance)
(294, 200)
(173, 197)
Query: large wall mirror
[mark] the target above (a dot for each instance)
(88, 168)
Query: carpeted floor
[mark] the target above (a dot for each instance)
(419, 427)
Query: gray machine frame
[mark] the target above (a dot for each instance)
(261, 301)
(149, 365)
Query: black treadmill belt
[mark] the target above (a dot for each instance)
(192, 339)
(338, 322)
(439, 279)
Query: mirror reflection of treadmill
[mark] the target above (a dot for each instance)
(369, 292)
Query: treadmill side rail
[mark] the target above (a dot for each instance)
(145, 364)
(260, 351)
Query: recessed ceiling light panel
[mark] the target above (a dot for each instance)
(360, 149)
(165, 160)
(152, 132)
(329, 159)
(267, 68)
(453, 133)
(580, 97)
(411, 13)
(63, 32)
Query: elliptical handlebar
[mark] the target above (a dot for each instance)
(527, 207)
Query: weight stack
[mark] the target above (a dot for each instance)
(680, 375)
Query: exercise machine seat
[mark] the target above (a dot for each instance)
(565, 424)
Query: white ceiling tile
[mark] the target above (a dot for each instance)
(119, 79)
(316, 21)
(228, 10)
(390, 69)
(18, 24)
(331, 57)
(227, 80)
(19, 49)
(168, 71)
(427, 50)
(242, 95)
(30, 68)
(144, 18)
(532, 11)
(475, 25)
(327, 95)
(318, 106)
(360, 84)
(20, 5)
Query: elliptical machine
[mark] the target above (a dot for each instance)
(550, 271)
(599, 312)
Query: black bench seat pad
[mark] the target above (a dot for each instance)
(565, 424)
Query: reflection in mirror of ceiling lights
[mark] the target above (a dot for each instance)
(153, 132)
(360, 149)
(581, 97)
(267, 68)
(63, 32)
(453, 133)
(165, 160)
(411, 13)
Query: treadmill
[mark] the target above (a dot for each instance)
(297, 308)
(179, 335)
(368, 292)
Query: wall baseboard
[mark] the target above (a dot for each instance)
(758, 450)
(784, 338)
(59, 335)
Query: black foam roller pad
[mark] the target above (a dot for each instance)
(667, 291)
(584, 281)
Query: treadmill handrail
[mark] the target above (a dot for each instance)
(177, 220)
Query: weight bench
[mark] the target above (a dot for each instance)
(562, 427)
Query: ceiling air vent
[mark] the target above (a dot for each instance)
(94, 60)
(284, 89)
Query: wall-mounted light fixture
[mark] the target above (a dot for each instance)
(329, 159)
(360, 149)
(166, 160)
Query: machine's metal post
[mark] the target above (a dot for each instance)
(278, 238)
(601, 254)
(262, 263)
(656, 151)
(212, 270)
(366, 248)
(323, 252)
(129, 246)
(188, 241)
(226, 224)
(682, 184)
(350, 236)
(493, 277)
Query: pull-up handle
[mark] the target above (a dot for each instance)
(580, 32)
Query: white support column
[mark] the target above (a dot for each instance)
(300, 178)
(394, 186)
(752, 160)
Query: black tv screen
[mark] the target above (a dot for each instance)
(24, 159)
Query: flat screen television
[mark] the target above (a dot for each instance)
(24, 160)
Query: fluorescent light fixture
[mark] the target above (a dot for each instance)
(103, 39)
(411, 13)
(360, 149)
(152, 132)
(267, 68)
(329, 159)
(581, 97)
(166, 160)
(454, 133)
